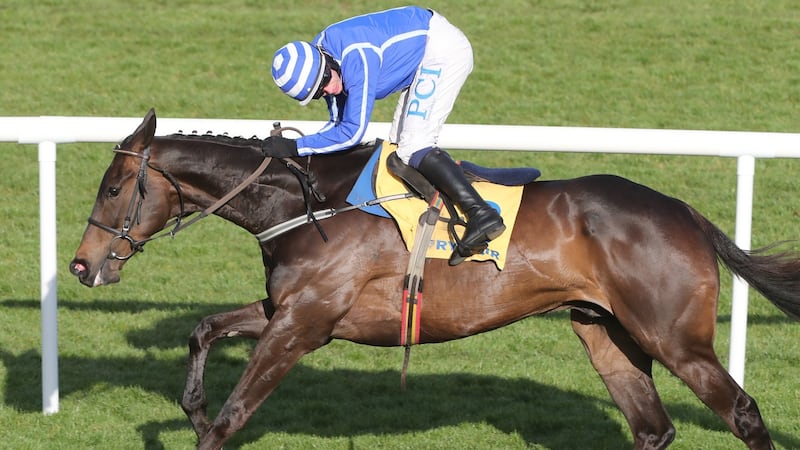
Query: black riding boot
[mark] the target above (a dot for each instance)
(483, 221)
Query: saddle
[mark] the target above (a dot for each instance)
(517, 176)
(418, 184)
(385, 175)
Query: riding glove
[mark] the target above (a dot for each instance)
(279, 147)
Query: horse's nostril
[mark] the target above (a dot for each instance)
(77, 268)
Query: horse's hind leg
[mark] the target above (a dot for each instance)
(697, 365)
(248, 321)
(627, 373)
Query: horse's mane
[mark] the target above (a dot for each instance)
(252, 143)
(210, 137)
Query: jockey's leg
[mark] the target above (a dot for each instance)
(483, 222)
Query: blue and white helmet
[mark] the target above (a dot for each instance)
(297, 69)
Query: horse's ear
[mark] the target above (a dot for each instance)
(150, 117)
(143, 135)
(148, 127)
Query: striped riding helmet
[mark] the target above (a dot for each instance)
(297, 69)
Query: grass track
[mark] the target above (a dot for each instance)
(726, 65)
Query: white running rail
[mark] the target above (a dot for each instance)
(48, 131)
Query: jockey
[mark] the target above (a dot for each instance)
(352, 63)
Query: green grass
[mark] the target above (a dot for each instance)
(724, 65)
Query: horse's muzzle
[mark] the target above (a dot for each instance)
(80, 268)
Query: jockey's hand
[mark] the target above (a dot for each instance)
(279, 147)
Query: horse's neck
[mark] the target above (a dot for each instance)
(207, 170)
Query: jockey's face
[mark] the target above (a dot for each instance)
(334, 86)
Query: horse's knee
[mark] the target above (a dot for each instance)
(199, 337)
(209, 330)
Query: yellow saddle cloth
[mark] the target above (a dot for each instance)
(406, 212)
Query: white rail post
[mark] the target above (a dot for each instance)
(744, 219)
(49, 275)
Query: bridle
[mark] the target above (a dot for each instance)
(134, 212)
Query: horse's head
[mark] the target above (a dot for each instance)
(130, 207)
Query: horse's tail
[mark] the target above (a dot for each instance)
(776, 276)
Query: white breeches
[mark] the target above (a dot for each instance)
(424, 106)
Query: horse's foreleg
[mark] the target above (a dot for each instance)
(248, 322)
(627, 373)
(284, 341)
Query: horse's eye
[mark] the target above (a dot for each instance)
(113, 191)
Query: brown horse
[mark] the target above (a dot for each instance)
(637, 269)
